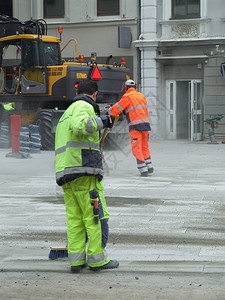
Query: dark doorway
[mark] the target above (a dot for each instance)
(182, 110)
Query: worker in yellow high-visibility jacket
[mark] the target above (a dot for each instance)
(79, 170)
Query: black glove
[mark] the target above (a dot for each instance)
(107, 121)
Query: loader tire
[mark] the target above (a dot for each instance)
(44, 120)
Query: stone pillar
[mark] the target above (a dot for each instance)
(147, 44)
(149, 84)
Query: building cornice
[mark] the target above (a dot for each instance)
(142, 43)
(95, 23)
(145, 43)
(181, 21)
(182, 57)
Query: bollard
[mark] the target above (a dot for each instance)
(24, 142)
(35, 139)
(15, 132)
(4, 136)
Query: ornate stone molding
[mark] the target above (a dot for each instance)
(185, 30)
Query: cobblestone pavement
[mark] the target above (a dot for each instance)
(167, 230)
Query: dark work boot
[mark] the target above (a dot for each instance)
(150, 170)
(148, 162)
(76, 269)
(144, 174)
(142, 168)
(112, 264)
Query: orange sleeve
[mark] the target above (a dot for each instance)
(118, 107)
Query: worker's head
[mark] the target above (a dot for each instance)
(130, 84)
(88, 87)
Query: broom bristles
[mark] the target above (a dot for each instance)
(58, 252)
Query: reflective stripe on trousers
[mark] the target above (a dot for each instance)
(81, 257)
(78, 257)
(141, 166)
(148, 162)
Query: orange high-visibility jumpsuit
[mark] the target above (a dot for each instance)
(134, 104)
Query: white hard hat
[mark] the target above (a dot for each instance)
(130, 82)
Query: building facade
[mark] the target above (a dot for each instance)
(182, 45)
(100, 26)
(174, 49)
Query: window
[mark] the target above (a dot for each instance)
(108, 7)
(185, 9)
(6, 7)
(33, 54)
(52, 54)
(53, 8)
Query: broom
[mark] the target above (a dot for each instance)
(103, 137)
(58, 252)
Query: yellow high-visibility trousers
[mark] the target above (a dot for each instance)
(81, 223)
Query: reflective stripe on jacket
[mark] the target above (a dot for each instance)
(77, 151)
(135, 106)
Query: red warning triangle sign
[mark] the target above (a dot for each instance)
(96, 74)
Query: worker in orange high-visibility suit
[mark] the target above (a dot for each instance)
(134, 104)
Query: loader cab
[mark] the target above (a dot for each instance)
(24, 63)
